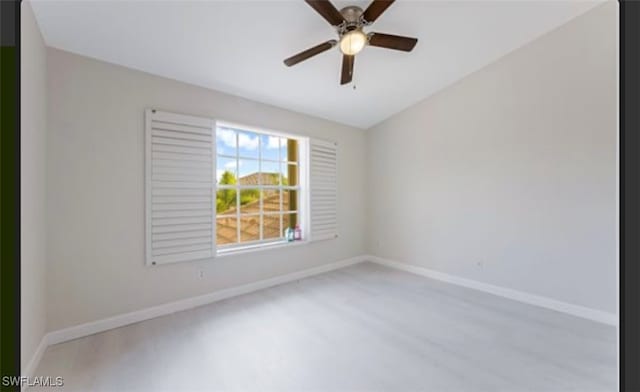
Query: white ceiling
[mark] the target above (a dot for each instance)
(238, 46)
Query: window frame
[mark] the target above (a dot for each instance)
(301, 188)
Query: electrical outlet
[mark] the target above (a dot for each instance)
(201, 274)
(480, 264)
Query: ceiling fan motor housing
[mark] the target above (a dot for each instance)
(352, 19)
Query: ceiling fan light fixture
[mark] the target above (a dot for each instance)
(353, 42)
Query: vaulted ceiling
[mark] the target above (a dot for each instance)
(238, 46)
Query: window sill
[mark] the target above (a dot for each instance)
(259, 247)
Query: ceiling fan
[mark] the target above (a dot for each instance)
(349, 23)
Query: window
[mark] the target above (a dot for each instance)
(258, 186)
(264, 183)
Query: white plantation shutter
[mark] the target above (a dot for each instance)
(180, 180)
(323, 177)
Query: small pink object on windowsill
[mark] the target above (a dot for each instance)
(297, 233)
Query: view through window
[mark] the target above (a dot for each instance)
(257, 186)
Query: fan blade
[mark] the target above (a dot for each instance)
(327, 11)
(376, 9)
(347, 68)
(295, 59)
(392, 41)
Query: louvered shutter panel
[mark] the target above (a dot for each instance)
(180, 180)
(323, 177)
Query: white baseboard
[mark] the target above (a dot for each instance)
(532, 299)
(31, 366)
(93, 327)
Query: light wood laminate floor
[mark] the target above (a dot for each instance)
(361, 328)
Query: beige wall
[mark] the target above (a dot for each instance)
(33, 107)
(96, 192)
(513, 167)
